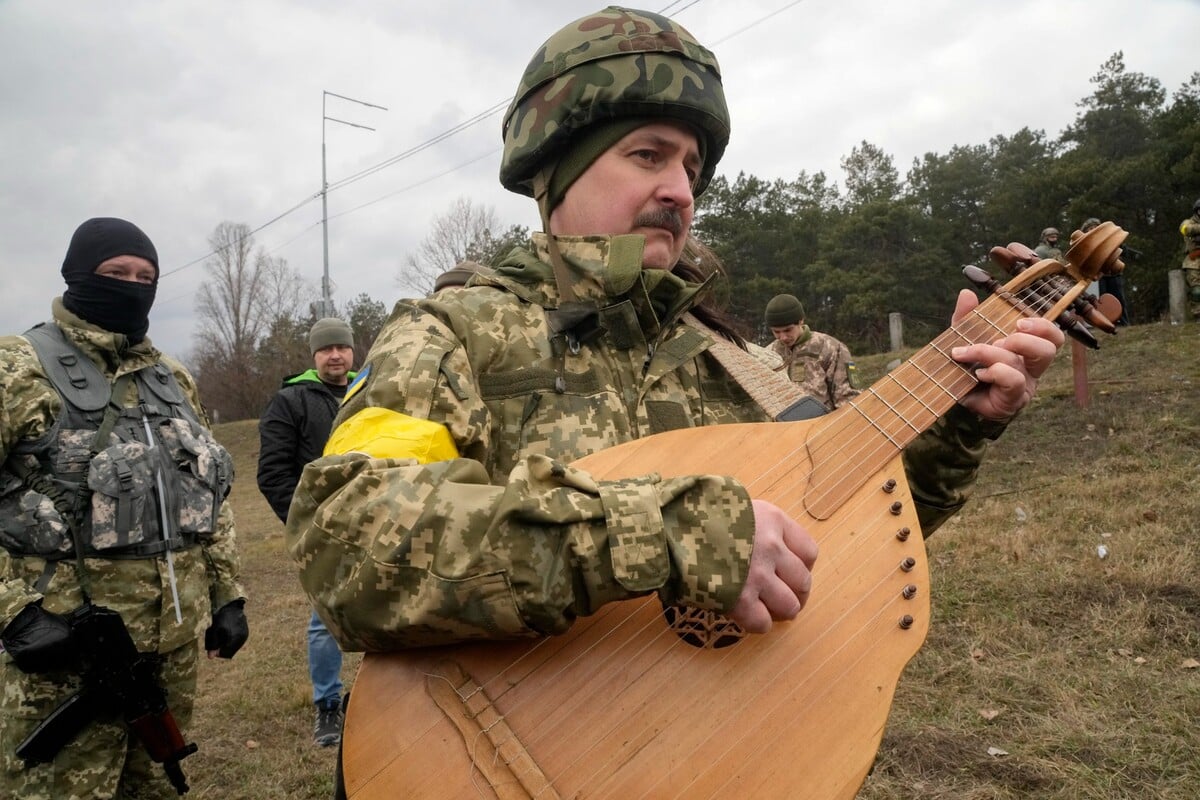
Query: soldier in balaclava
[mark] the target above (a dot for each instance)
(112, 496)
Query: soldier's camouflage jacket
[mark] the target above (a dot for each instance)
(820, 365)
(1047, 250)
(138, 588)
(445, 507)
(1190, 230)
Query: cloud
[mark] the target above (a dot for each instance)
(182, 115)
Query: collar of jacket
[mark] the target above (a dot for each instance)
(802, 339)
(311, 375)
(607, 270)
(111, 352)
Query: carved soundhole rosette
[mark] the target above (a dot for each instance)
(701, 628)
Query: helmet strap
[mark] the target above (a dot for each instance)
(541, 193)
(577, 320)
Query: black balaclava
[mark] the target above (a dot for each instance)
(115, 305)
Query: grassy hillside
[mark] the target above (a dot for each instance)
(1049, 672)
(254, 713)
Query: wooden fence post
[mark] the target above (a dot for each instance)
(1079, 372)
(1177, 291)
(896, 331)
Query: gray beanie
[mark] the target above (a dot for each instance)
(784, 310)
(329, 331)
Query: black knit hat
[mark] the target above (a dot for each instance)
(784, 310)
(102, 238)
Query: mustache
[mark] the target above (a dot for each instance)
(667, 218)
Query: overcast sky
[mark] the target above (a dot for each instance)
(180, 115)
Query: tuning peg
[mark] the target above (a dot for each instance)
(1085, 306)
(1110, 307)
(1023, 253)
(1074, 327)
(1070, 322)
(981, 278)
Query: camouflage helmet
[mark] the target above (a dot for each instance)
(1049, 231)
(1196, 205)
(613, 64)
(1089, 223)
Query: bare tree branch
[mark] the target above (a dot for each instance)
(453, 236)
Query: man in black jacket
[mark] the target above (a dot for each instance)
(292, 432)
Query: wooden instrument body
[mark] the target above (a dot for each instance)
(622, 707)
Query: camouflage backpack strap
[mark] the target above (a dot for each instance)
(74, 376)
(160, 391)
(84, 390)
(778, 396)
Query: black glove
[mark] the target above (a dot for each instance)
(229, 630)
(39, 640)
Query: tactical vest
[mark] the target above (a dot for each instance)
(133, 481)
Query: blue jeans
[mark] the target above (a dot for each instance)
(324, 663)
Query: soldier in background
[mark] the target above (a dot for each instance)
(820, 364)
(1048, 245)
(157, 544)
(292, 431)
(1190, 228)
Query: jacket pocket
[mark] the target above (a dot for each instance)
(30, 523)
(204, 471)
(121, 478)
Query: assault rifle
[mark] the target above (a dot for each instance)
(117, 679)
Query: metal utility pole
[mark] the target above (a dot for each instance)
(326, 299)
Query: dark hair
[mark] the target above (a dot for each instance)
(696, 264)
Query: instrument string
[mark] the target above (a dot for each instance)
(914, 396)
(1027, 301)
(841, 440)
(900, 414)
(758, 650)
(944, 376)
(673, 642)
(953, 385)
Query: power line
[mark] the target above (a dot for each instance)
(462, 126)
(412, 151)
(758, 21)
(680, 10)
(271, 221)
(412, 186)
(279, 247)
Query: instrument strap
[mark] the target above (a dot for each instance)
(775, 392)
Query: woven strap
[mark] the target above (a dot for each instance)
(777, 394)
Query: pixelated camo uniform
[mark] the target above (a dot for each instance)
(445, 508)
(1190, 228)
(820, 365)
(206, 577)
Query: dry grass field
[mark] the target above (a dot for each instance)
(1049, 672)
